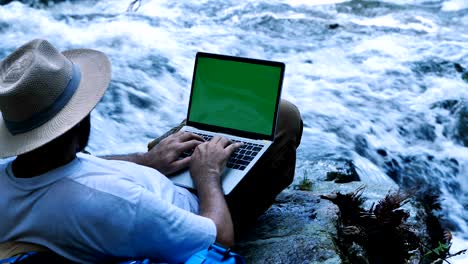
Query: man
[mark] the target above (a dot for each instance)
(90, 209)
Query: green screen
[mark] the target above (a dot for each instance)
(235, 95)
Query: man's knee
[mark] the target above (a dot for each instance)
(289, 122)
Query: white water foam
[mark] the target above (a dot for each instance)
(458, 244)
(369, 84)
(313, 3)
(455, 5)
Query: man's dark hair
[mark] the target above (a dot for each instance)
(82, 130)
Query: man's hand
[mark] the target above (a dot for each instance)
(210, 158)
(165, 156)
(206, 167)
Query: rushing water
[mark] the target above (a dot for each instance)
(379, 82)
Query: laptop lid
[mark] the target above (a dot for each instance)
(234, 95)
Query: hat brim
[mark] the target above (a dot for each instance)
(95, 77)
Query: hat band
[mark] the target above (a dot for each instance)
(42, 117)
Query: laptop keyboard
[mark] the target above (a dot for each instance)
(241, 157)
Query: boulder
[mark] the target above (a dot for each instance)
(301, 227)
(298, 228)
(344, 173)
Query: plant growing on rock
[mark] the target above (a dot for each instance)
(305, 184)
(437, 243)
(380, 233)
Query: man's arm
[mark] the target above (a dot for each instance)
(138, 158)
(208, 162)
(206, 166)
(164, 157)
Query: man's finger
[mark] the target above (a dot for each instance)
(231, 148)
(181, 164)
(202, 146)
(189, 136)
(224, 142)
(215, 139)
(189, 145)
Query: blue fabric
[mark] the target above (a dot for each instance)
(216, 254)
(146, 261)
(18, 258)
(40, 118)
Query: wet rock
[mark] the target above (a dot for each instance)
(342, 177)
(344, 174)
(32, 2)
(449, 104)
(361, 145)
(382, 152)
(333, 26)
(439, 67)
(458, 67)
(465, 76)
(455, 125)
(393, 169)
(463, 71)
(416, 128)
(435, 66)
(462, 124)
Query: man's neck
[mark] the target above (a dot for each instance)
(39, 162)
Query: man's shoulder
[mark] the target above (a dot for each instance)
(101, 190)
(144, 176)
(120, 166)
(106, 178)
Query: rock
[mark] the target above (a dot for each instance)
(455, 125)
(298, 228)
(449, 104)
(463, 71)
(416, 127)
(435, 66)
(333, 26)
(344, 174)
(462, 124)
(465, 76)
(458, 67)
(32, 2)
(382, 152)
(361, 146)
(302, 228)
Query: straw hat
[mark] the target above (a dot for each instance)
(44, 93)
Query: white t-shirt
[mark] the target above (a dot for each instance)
(92, 208)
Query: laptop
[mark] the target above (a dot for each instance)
(237, 98)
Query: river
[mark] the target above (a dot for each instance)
(378, 82)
